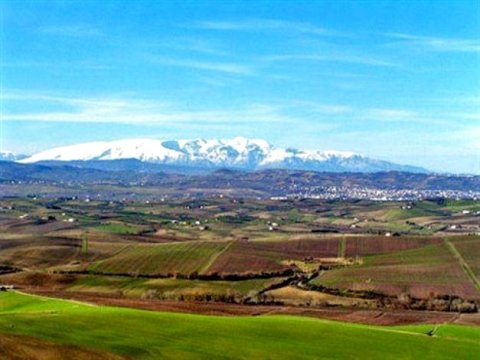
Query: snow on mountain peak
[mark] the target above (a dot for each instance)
(239, 152)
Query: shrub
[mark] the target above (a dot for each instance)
(151, 294)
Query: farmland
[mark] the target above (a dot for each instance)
(469, 250)
(184, 257)
(170, 335)
(356, 245)
(423, 272)
(362, 262)
(168, 288)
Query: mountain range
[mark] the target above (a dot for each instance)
(72, 181)
(208, 155)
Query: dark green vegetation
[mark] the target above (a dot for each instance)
(153, 335)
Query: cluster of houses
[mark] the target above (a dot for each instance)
(355, 193)
(272, 226)
(49, 218)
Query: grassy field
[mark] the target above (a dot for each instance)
(119, 228)
(373, 245)
(208, 256)
(429, 252)
(470, 250)
(183, 258)
(167, 288)
(16, 347)
(459, 205)
(258, 256)
(151, 335)
(420, 272)
(293, 296)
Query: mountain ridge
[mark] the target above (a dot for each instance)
(18, 179)
(237, 153)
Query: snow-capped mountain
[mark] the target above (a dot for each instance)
(237, 153)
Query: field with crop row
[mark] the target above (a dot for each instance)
(184, 258)
(372, 245)
(261, 256)
(470, 251)
(247, 256)
(422, 272)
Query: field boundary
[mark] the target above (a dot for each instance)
(342, 247)
(214, 257)
(379, 328)
(466, 268)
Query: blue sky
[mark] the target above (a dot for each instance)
(396, 80)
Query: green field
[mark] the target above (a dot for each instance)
(469, 250)
(119, 228)
(419, 272)
(152, 335)
(459, 205)
(169, 289)
(184, 258)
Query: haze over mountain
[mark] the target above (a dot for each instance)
(10, 156)
(238, 153)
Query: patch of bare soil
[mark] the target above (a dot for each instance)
(16, 347)
(39, 280)
(468, 319)
(161, 232)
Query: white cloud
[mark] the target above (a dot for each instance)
(111, 103)
(56, 65)
(469, 136)
(224, 67)
(318, 107)
(468, 116)
(196, 45)
(330, 57)
(332, 109)
(264, 25)
(185, 44)
(138, 111)
(71, 30)
(390, 114)
(439, 44)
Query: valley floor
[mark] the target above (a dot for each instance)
(63, 325)
(234, 278)
(385, 317)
